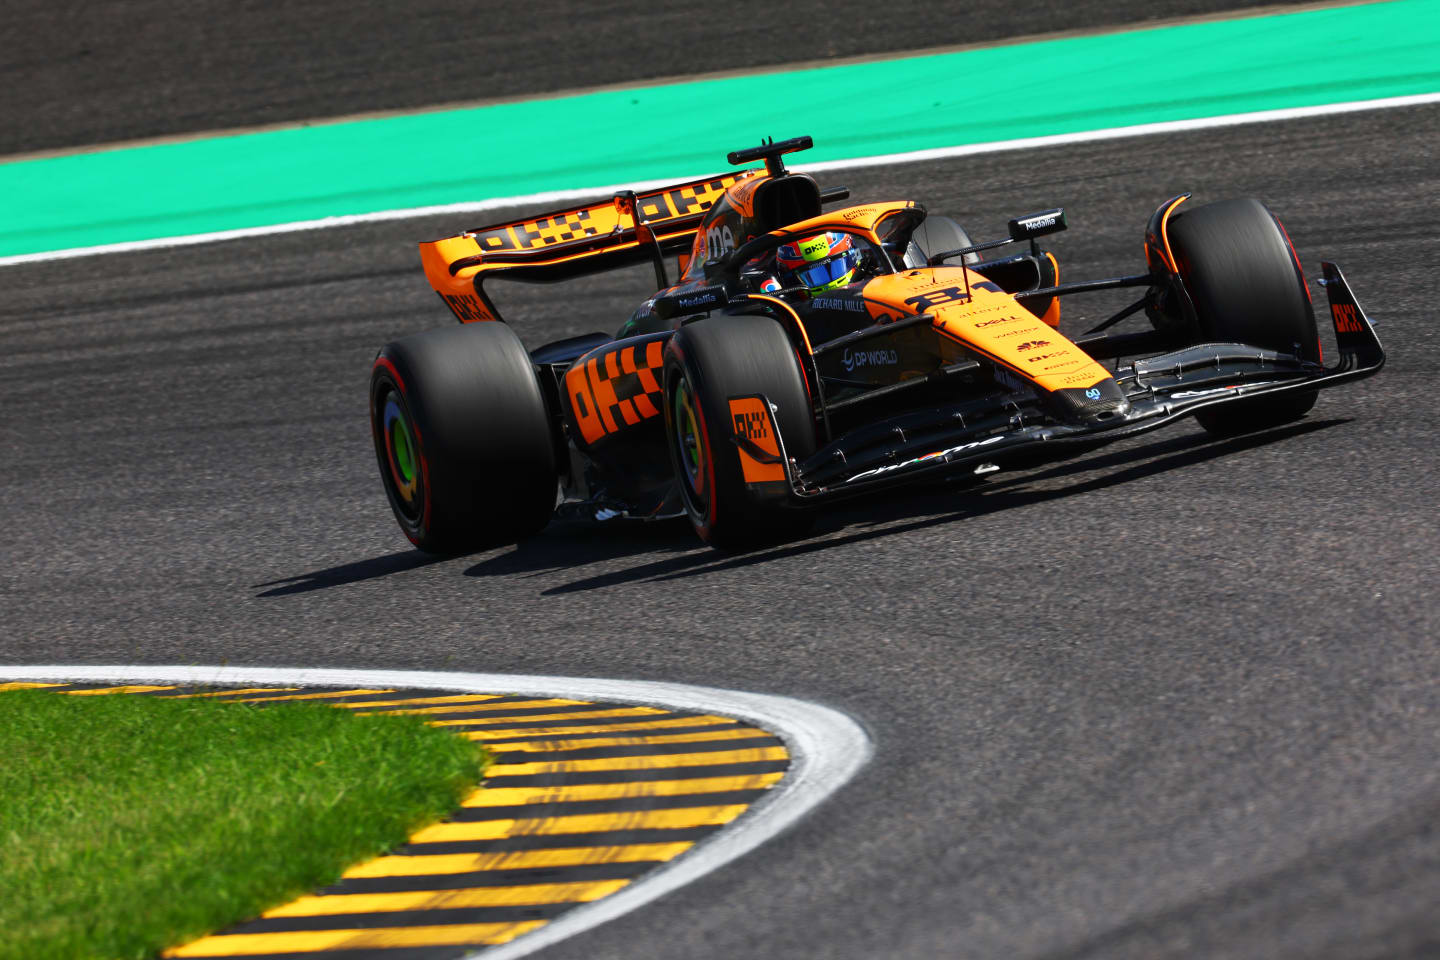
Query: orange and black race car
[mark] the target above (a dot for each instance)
(805, 355)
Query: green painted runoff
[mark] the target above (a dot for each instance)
(682, 130)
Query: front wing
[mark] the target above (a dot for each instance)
(1160, 390)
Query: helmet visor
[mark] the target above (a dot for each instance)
(827, 271)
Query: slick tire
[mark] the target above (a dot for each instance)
(706, 363)
(1245, 282)
(462, 438)
(936, 234)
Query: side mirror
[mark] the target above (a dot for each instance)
(702, 300)
(1038, 224)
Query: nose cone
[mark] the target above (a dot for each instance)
(1098, 402)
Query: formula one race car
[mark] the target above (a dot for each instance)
(807, 356)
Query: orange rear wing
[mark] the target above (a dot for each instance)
(626, 230)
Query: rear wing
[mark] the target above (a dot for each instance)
(626, 230)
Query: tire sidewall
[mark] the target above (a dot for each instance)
(679, 370)
(384, 382)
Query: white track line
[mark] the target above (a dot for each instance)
(590, 193)
(826, 749)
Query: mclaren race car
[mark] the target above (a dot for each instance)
(805, 355)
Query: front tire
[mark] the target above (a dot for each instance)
(936, 234)
(707, 363)
(462, 438)
(1245, 282)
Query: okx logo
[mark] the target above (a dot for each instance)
(1347, 318)
(751, 424)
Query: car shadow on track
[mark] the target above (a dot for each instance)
(880, 516)
(562, 545)
(569, 545)
(347, 573)
(565, 546)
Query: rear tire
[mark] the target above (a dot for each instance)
(1245, 282)
(706, 363)
(462, 437)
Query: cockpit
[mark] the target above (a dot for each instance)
(819, 263)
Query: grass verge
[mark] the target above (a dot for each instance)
(129, 823)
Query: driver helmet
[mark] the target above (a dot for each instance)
(821, 263)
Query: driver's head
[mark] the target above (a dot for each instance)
(820, 263)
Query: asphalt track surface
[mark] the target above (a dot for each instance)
(1176, 698)
(94, 73)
